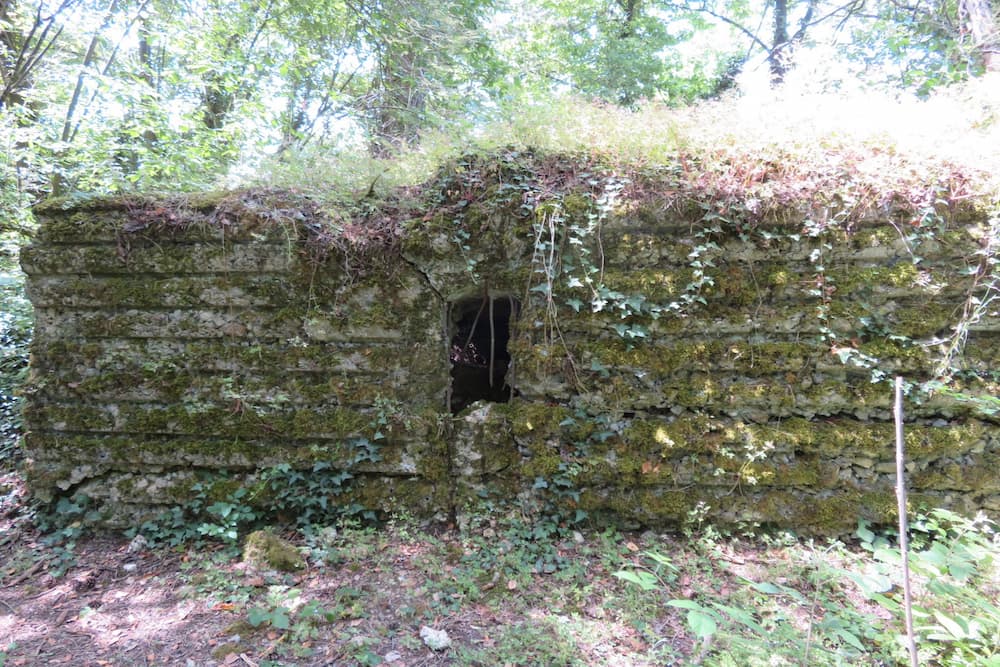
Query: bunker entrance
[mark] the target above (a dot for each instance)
(479, 358)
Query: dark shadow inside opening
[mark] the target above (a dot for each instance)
(478, 352)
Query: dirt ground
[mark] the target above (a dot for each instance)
(377, 592)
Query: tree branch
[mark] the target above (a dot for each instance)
(704, 9)
(88, 59)
(848, 9)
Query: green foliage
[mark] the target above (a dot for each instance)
(3, 652)
(814, 625)
(613, 51)
(662, 571)
(225, 518)
(302, 621)
(204, 514)
(954, 563)
(62, 525)
(503, 545)
(15, 335)
(311, 496)
(925, 45)
(206, 576)
(816, 621)
(282, 492)
(524, 645)
(185, 95)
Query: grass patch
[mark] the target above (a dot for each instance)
(795, 133)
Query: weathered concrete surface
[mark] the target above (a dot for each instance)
(662, 364)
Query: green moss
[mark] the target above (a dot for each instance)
(530, 420)
(808, 473)
(77, 204)
(656, 284)
(648, 437)
(977, 476)
(306, 423)
(923, 320)
(230, 648)
(833, 514)
(850, 280)
(778, 278)
(384, 494)
(577, 205)
(437, 433)
(265, 550)
(833, 437)
(665, 359)
(912, 357)
(647, 506)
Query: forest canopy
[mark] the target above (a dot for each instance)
(120, 95)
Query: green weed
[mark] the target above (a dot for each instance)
(736, 620)
(955, 566)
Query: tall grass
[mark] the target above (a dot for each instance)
(884, 133)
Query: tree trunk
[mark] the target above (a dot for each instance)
(399, 102)
(977, 15)
(631, 10)
(778, 57)
(9, 49)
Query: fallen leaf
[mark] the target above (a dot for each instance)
(635, 644)
(632, 546)
(224, 606)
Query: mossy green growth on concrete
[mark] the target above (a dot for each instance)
(673, 355)
(265, 550)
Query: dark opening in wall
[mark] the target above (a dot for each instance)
(480, 329)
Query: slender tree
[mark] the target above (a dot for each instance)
(26, 39)
(979, 18)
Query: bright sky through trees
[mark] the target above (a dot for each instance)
(123, 94)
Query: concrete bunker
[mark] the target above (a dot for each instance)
(479, 329)
(729, 399)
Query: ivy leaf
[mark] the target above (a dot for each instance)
(844, 354)
(644, 580)
(635, 302)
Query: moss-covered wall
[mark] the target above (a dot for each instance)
(670, 359)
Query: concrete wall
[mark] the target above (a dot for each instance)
(662, 362)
